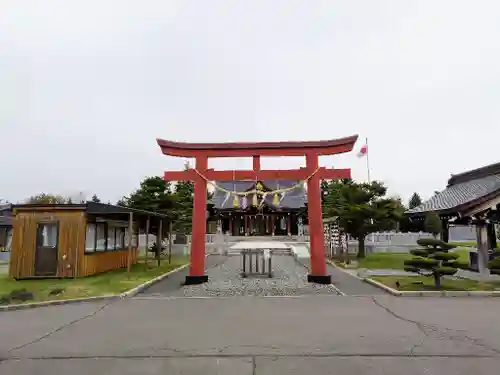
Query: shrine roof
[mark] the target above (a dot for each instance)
(294, 199)
(464, 190)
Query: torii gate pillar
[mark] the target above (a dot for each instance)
(200, 175)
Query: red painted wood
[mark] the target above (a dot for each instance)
(256, 163)
(330, 147)
(197, 266)
(317, 240)
(293, 174)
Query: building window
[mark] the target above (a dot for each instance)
(111, 238)
(90, 238)
(100, 237)
(48, 235)
(103, 237)
(120, 238)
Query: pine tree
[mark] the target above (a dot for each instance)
(415, 201)
(95, 199)
(433, 259)
(494, 264)
(432, 224)
(183, 207)
(362, 208)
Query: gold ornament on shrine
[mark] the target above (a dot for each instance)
(276, 199)
(236, 201)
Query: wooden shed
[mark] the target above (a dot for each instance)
(74, 240)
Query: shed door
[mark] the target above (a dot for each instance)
(46, 249)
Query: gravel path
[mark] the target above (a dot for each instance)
(289, 279)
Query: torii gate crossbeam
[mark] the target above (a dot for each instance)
(200, 175)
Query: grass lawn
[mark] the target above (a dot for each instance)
(410, 283)
(113, 282)
(396, 260)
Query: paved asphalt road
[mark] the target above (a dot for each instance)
(311, 331)
(321, 334)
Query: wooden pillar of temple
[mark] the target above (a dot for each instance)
(317, 246)
(230, 230)
(197, 267)
(482, 247)
(492, 238)
(289, 224)
(445, 230)
(246, 225)
(272, 224)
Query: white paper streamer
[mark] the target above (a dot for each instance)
(226, 199)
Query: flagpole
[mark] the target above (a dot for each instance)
(367, 160)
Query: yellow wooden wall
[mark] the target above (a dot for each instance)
(71, 237)
(105, 261)
(71, 244)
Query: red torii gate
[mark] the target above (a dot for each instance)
(201, 174)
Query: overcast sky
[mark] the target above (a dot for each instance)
(87, 86)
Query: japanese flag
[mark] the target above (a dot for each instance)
(363, 151)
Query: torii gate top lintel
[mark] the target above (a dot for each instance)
(240, 149)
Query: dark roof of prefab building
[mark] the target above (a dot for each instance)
(295, 198)
(93, 208)
(464, 190)
(5, 221)
(5, 215)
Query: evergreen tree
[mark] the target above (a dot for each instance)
(494, 264)
(432, 224)
(415, 201)
(44, 198)
(362, 208)
(95, 199)
(183, 208)
(154, 195)
(433, 259)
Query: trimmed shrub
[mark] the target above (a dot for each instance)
(433, 259)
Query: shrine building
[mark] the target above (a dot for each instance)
(249, 208)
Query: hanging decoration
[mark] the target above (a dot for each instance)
(263, 200)
(278, 194)
(276, 199)
(281, 197)
(255, 201)
(226, 198)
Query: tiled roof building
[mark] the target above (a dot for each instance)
(471, 198)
